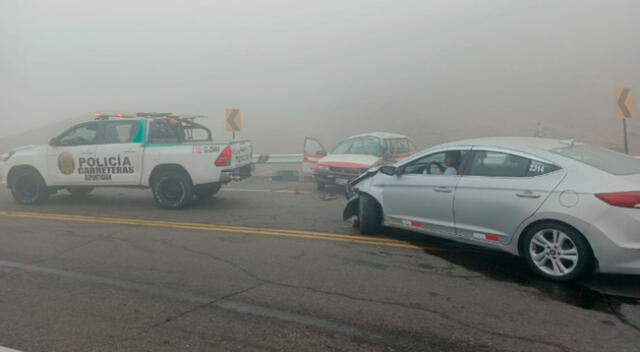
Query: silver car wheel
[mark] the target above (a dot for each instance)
(553, 252)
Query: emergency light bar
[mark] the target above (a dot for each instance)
(100, 115)
(170, 115)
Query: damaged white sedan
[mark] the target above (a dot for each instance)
(565, 207)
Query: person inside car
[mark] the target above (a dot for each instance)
(452, 160)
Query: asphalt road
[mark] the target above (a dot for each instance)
(271, 266)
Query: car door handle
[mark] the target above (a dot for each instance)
(443, 189)
(129, 151)
(527, 194)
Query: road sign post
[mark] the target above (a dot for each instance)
(624, 111)
(233, 121)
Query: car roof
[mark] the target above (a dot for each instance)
(515, 143)
(381, 135)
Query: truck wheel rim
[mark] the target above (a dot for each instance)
(172, 190)
(553, 252)
(26, 188)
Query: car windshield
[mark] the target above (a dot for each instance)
(361, 145)
(601, 158)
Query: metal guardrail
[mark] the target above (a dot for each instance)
(277, 158)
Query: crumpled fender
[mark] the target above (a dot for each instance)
(351, 209)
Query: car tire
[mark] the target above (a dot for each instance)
(172, 189)
(28, 187)
(556, 251)
(204, 192)
(79, 191)
(369, 215)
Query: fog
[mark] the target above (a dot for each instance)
(433, 70)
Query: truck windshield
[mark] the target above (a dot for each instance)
(361, 145)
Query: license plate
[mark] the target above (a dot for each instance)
(341, 181)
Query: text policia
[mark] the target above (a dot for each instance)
(101, 169)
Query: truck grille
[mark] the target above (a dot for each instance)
(344, 170)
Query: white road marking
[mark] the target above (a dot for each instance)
(7, 349)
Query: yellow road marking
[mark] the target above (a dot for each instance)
(218, 228)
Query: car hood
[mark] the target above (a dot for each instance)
(356, 161)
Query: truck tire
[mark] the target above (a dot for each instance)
(79, 191)
(369, 215)
(28, 187)
(172, 189)
(204, 192)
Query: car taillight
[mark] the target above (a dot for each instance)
(621, 199)
(225, 157)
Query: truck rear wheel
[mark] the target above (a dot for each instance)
(204, 192)
(172, 189)
(28, 187)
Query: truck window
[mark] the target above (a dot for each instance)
(120, 131)
(162, 132)
(194, 132)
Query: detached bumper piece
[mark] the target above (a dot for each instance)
(334, 179)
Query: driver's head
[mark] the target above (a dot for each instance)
(452, 157)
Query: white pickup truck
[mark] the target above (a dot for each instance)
(171, 154)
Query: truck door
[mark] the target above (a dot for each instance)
(313, 151)
(119, 153)
(69, 152)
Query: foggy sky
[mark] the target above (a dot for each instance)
(434, 70)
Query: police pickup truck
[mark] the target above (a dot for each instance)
(171, 154)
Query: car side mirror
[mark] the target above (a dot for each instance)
(54, 142)
(321, 153)
(388, 170)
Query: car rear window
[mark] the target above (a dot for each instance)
(601, 158)
(399, 146)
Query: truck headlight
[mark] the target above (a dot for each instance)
(323, 168)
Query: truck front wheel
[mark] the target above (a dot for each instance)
(172, 189)
(28, 187)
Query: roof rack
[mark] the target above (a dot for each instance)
(156, 115)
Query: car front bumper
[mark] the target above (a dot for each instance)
(334, 178)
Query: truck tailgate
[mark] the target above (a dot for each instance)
(241, 151)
